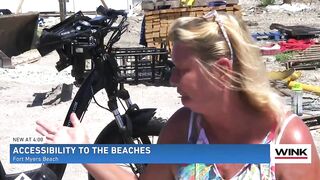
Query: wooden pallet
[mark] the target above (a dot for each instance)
(158, 21)
(305, 59)
(313, 122)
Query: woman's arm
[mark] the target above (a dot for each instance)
(174, 132)
(56, 134)
(297, 132)
(77, 135)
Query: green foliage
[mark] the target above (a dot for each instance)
(267, 2)
(283, 57)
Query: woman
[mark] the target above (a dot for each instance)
(227, 99)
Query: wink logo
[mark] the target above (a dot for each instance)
(290, 153)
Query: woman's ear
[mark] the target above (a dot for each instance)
(225, 65)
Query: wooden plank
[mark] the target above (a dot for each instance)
(199, 14)
(219, 8)
(158, 45)
(183, 10)
(155, 24)
(176, 15)
(229, 8)
(314, 127)
(148, 22)
(164, 22)
(163, 16)
(149, 27)
(313, 50)
(158, 39)
(171, 16)
(151, 45)
(198, 8)
(157, 28)
(148, 13)
(304, 67)
(149, 35)
(148, 30)
(163, 35)
(307, 56)
(206, 9)
(163, 11)
(237, 7)
(148, 18)
(155, 34)
(174, 10)
(303, 60)
(25, 60)
(163, 30)
(185, 14)
(193, 14)
(149, 40)
(230, 12)
(156, 16)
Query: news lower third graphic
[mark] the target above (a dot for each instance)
(160, 153)
(139, 153)
(27, 140)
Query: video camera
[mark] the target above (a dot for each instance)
(79, 38)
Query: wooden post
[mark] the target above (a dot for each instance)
(63, 9)
(104, 4)
(19, 7)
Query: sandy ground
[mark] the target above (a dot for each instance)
(18, 86)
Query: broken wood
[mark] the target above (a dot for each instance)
(61, 93)
(5, 61)
(26, 58)
(26, 61)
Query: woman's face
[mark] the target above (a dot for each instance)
(194, 86)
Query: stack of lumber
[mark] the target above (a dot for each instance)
(158, 21)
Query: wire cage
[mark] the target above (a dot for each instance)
(142, 64)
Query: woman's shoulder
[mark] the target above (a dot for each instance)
(296, 132)
(175, 130)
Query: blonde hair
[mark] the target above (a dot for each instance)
(248, 75)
